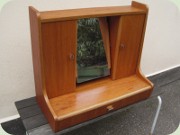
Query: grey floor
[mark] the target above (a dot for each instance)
(133, 120)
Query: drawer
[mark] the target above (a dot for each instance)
(71, 121)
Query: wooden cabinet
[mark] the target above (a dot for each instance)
(54, 47)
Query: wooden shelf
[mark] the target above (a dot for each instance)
(71, 14)
(95, 94)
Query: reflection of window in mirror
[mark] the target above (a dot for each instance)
(91, 57)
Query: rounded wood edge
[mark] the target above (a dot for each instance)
(45, 97)
(52, 123)
(32, 9)
(49, 105)
(103, 104)
(50, 112)
(139, 5)
(140, 74)
(138, 69)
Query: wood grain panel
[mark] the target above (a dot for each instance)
(115, 31)
(96, 94)
(68, 122)
(35, 41)
(73, 14)
(41, 95)
(138, 69)
(103, 22)
(129, 45)
(140, 6)
(59, 57)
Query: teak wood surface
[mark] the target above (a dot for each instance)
(74, 14)
(59, 51)
(96, 94)
(41, 94)
(54, 43)
(103, 22)
(128, 49)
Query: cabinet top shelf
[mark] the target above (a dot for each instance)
(73, 14)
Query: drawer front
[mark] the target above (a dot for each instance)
(101, 110)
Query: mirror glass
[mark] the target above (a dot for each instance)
(91, 57)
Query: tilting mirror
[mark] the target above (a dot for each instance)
(91, 56)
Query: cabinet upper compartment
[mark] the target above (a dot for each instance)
(72, 14)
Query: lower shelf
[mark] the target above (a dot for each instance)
(100, 93)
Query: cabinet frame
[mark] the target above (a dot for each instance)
(95, 98)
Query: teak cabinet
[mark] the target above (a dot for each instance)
(54, 46)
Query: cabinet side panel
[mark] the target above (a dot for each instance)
(129, 45)
(34, 26)
(36, 55)
(59, 41)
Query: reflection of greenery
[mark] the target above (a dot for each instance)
(90, 49)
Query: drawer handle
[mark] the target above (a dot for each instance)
(110, 108)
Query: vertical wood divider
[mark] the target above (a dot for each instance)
(105, 35)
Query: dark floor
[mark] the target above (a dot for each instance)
(133, 120)
(14, 127)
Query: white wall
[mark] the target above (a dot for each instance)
(161, 46)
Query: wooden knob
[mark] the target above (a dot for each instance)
(110, 108)
(122, 45)
(71, 56)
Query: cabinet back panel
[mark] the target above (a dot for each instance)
(114, 28)
(130, 41)
(59, 57)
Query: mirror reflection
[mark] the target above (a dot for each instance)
(91, 57)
